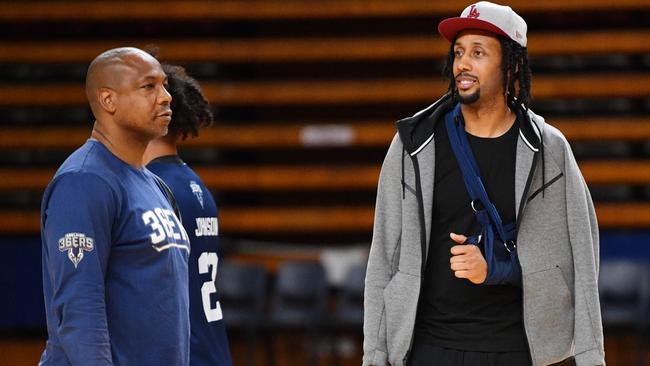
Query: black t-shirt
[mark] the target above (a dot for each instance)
(453, 312)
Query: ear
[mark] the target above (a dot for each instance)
(107, 99)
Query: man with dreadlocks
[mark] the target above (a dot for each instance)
(191, 111)
(485, 243)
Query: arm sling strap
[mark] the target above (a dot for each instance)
(498, 239)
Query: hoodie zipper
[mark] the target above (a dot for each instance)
(423, 244)
(522, 204)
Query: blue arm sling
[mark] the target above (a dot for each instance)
(498, 239)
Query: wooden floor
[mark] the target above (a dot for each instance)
(620, 351)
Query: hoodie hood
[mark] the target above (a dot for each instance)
(416, 132)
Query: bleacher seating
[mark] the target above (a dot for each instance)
(305, 95)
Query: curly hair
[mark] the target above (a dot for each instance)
(191, 111)
(514, 57)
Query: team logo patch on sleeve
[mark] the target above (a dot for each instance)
(75, 244)
(198, 192)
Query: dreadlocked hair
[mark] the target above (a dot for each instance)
(515, 70)
(515, 63)
(191, 111)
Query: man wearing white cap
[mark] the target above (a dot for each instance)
(485, 243)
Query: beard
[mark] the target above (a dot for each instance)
(469, 99)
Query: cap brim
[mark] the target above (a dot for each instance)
(449, 28)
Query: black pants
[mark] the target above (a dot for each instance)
(427, 355)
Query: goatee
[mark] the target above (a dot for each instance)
(469, 99)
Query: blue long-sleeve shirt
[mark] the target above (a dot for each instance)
(209, 343)
(114, 266)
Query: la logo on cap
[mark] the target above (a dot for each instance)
(473, 13)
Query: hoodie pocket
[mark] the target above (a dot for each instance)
(400, 299)
(549, 315)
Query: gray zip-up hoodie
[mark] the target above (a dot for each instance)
(557, 242)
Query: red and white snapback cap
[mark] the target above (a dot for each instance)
(486, 16)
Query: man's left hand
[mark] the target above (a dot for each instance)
(467, 261)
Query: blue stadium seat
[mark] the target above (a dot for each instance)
(348, 315)
(300, 295)
(242, 293)
(624, 287)
(349, 305)
(299, 303)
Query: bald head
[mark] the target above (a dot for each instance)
(109, 69)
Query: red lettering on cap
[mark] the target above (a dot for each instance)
(473, 12)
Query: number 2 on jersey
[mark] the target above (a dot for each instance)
(209, 261)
